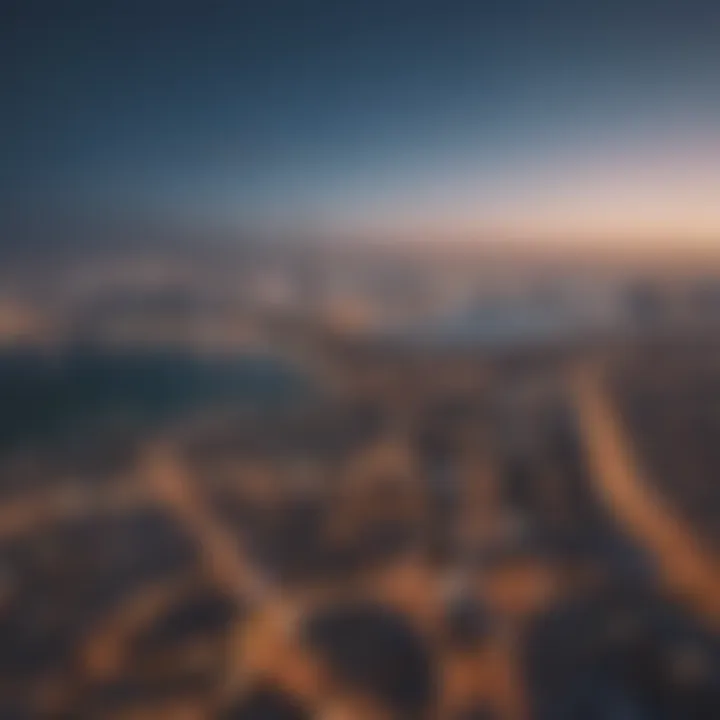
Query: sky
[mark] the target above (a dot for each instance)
(531, 119)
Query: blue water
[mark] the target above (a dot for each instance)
(42, 394)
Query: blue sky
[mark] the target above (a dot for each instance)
(517, 117)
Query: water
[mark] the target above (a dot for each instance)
(43, 395)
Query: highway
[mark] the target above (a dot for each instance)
(687, 569)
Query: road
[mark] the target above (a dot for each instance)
(687, 569)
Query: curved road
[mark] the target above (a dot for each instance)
(688, 570)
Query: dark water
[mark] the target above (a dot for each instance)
(43, 395)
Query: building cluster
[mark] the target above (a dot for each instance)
(429, 538)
